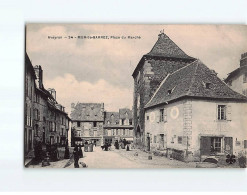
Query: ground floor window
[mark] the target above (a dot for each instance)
(216, 144)
(180, 139)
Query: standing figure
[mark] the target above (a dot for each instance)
(80, 152)
(76, 157)
(116, 145)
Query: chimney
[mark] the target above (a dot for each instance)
(52, 92)
(39, 74)
(72, 107)
(243, 60)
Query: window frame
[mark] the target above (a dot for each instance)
(221, 113)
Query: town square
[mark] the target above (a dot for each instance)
(135, 96)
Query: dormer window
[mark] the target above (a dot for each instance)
(207, 85)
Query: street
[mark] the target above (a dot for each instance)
(126, 159)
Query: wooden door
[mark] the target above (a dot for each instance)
(205, 145)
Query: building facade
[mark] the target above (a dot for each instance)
(87, 123)
(237, 79)
(164, 58)
(28, 107)
(45, 120)
(194, 115)
(118, 126)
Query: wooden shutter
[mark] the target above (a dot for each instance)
(165, 115)
(158, 116)
(205, 145)
(229, 113)
(228, 144)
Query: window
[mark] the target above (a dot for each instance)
(207, 85)
(94, 124)
(245, 143)
(221, 112)
(161, 115)
(147, 118)
(180, 139)
(130, 121)
(116, 131)
(155, 138)
(36, 130)
(123, 121)
(216, 143)
(78, 124)
(123, 131)
(245, 78)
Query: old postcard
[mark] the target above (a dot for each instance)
(135, 96)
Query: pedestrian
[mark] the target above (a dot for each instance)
(80, 152)
(116, 145)
(76, 157)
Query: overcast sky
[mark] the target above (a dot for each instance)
(99, 70)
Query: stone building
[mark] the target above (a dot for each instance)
(193, 114)
(28, 107)
(164, 58)
(118, 126)
(45, 120)
(237, 79)
(51, 122)
(87, 122)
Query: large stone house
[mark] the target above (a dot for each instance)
(237, 79)
(87, 123)
(193, 114)
(164, 58)
(118, 126)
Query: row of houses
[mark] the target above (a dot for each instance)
(182, 107)
(90, 122)
(45, 120)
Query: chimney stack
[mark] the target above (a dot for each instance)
(243, 60)
(39, 74)
(52, 92)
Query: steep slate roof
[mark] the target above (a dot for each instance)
(236, 72)
(165, 47)
(113, 120)
(87, 112)
(122, 113)
(190, 81)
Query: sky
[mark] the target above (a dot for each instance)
(100, 70)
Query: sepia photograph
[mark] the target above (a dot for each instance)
(135, 96)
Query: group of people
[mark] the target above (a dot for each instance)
(123, 143)
(77, 155)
